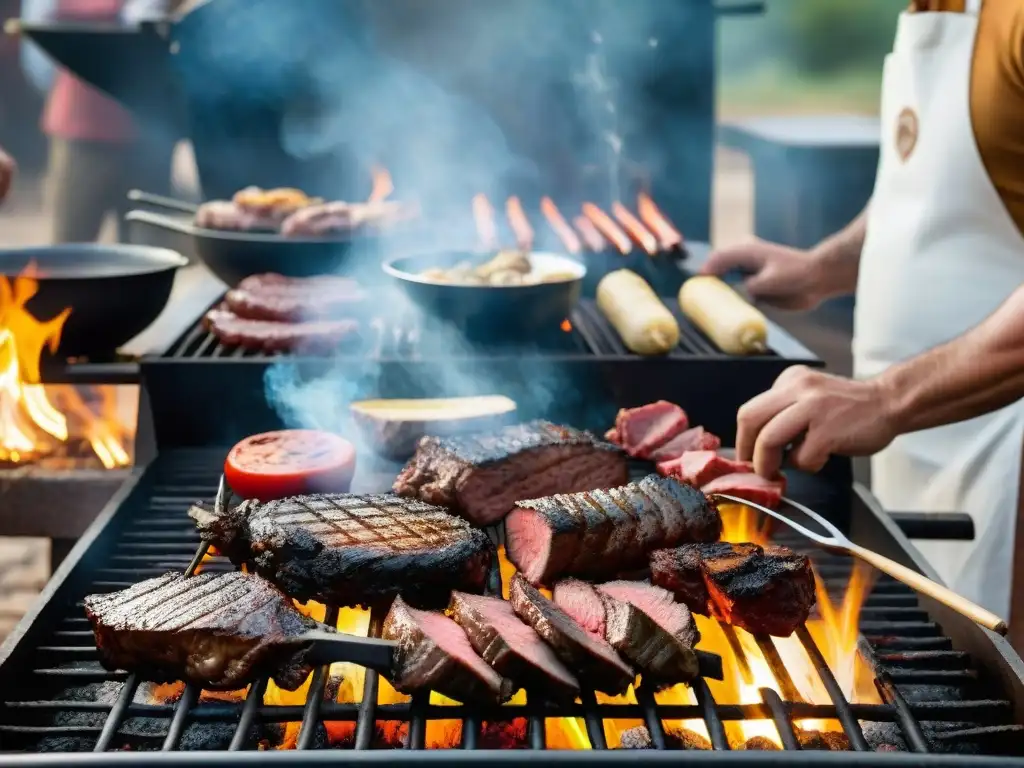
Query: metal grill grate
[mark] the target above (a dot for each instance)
(153, 535)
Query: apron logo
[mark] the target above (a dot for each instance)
(906, 133)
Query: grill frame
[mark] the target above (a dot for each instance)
(867, 525)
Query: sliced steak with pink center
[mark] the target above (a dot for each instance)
(512, 648)
(675, 618)
(435, 654)
(591, 658)
(641, 430)
(695, 439)
(698, 468)
(599, 534)
(482, 476)
(628, 630)
(749, 486)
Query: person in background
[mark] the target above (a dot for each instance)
(96, 153)
(937, 263)
(7, 171)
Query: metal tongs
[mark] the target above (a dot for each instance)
(837, 542)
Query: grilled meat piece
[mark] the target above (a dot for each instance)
(590, 657)
(514, 649)
(717, 474)
(628, 630)
(339, 217)
(767, 590)
(218, 631)
(675, 618)
(482, 476)
(225, 215)
(294, 299)
(659, 431)
(270, 336)
(640, 738)
(349, 549)
(434, 654)
(273, 204)
(599, 534)
(693, 439)
(749, 486)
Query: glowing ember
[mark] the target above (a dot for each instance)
(567, 326)
(382, 185)
(607, 227)
(667, 235)
(635, 228)
(483, 215)
(519, 223)
(558, 223)
(31, 425)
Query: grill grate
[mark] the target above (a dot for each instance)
(410, 338)
(153, 535)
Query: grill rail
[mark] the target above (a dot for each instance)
(905, 649)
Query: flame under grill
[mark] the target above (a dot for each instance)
(57, 697)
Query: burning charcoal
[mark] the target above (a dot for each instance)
(217, 737)
(640, 738)
(823, 741)
(503, 735)
(759, 744)
(887, 748)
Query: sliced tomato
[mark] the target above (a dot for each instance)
(274, 465)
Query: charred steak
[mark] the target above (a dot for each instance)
(350, 549)
(514, 649)
(767, 590)
(218, 631)
(628, 630)
(271, 336)
(675, 618)
(589, 656)
(598, 534)
(482, 476)
(434, 654)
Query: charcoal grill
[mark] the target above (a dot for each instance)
(949, 688)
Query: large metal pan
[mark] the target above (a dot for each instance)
(233, 256)
(115, 291)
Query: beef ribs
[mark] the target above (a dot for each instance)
(482, 476)
(590, 657)
(764, 590)
(218, 631)
(513, 648)
(674, 617)
(294, 299)
(628, 630)
(599, 534)
(434, 654)
(314, 336)
(349, 549)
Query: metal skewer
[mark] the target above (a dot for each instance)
(837, 542)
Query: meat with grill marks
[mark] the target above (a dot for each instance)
(353, 549)
(591, 657)
(764, 590)
(630, 631)
(598, 534)
(482, 476)
(218, 631)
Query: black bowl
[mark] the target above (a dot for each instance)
(490, 311)
(115, 291)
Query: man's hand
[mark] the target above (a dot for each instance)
(819, 414)
(788, 278)
(7, 170)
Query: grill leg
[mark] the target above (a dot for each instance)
(59, 549)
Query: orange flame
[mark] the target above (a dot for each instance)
(29, 421)
(382, 185)
(595, 242)
(558, 223)
(483, 215)
(567, 326)
(608, 227)
(635, 228)
(519, 223)
(658, 223)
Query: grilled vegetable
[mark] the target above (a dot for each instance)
(729, 321)
(274, 465)
(646, 325)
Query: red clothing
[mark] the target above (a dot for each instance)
(75, 110)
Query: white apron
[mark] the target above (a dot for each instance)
(941, 254)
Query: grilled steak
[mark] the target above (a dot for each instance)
(640, 738)
(601, 533)
(270, 336)
(482, 476)
(294, 299)
(767, 590)
(218, 631)
(675, 618)
(434, 654)
(659, 431)
(590, 657)
(349, 549)
(514, 649)
(628, 630)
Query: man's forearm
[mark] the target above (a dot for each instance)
(838, 257)
(976, 373)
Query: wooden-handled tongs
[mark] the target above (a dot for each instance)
(837, 542)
